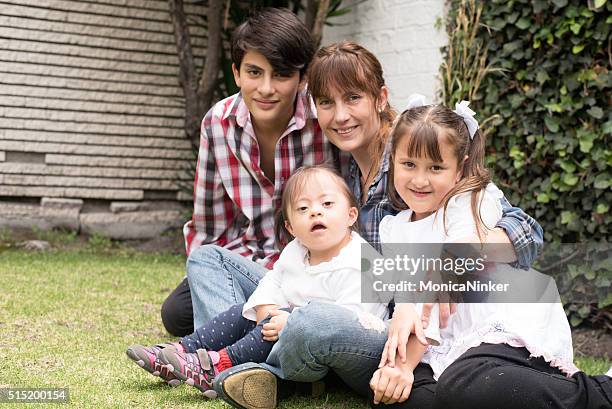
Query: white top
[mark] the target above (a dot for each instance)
(295, 283)
(542, 328)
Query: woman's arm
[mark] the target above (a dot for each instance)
(524, 232)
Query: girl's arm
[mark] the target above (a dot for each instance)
(262, 311)
(267, 296)
(392, 384)
(406, 320)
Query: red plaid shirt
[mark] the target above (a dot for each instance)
(234, 202)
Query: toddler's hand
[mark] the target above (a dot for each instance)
(272, 328)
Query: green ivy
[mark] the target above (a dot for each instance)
(549, 143)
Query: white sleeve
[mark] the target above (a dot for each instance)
(460, 222)
(268, 291)
(384, 229)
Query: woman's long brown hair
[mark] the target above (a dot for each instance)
(348, 67)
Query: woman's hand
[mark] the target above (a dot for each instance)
(272, 328)
(392, 384)
(405, 321)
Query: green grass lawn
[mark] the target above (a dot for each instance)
(66, 318)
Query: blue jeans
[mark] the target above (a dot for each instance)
(218, 279)
(316, 339)
(321, 337)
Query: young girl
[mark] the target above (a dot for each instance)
(321, 264)
(490, 355)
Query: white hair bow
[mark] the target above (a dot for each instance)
(415, 101)
(461, 109)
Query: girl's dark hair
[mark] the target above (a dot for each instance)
(294, 185)
(348, 67)
(279, 36)
(425, 126)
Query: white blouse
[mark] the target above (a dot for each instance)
(295, 283)
(542, 328)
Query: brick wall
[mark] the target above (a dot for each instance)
(91, 113)
(401, 34)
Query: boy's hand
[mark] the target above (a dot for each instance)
(391, 384)
(272, 328)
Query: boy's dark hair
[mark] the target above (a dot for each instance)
(279, 36)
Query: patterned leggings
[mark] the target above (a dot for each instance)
(241, 338)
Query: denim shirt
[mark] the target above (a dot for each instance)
(377, 204)
(524, 232)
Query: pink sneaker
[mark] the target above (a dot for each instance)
(196, 369)
(148, 358)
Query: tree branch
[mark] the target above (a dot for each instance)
(311, 14)
(187, 70)
(317, 30)
(208, 81)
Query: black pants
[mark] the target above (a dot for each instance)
(177, 311)
(502, 377)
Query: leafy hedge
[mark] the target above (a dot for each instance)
(548, 95)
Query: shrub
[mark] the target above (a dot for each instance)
(547, 95)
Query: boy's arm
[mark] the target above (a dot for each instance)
(525, 234)
(211, 213)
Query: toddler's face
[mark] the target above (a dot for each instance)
(321, 217)
(420, 181)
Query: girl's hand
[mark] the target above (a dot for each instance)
(446, 310)
(262, 311)
(405, 321)
(391, 385)
(272, 328)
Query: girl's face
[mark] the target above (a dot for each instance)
(321, 217)
(350, 120)
(421, 182)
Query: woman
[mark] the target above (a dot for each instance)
(346, 83)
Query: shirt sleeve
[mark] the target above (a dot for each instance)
(460, 221)
(213, 210)
(268, 291)
(524, 232)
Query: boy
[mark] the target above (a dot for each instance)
(250, 144)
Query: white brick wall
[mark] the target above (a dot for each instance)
(401, 34)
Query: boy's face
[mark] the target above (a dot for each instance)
(269, 96)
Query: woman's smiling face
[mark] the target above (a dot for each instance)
(350, 119)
